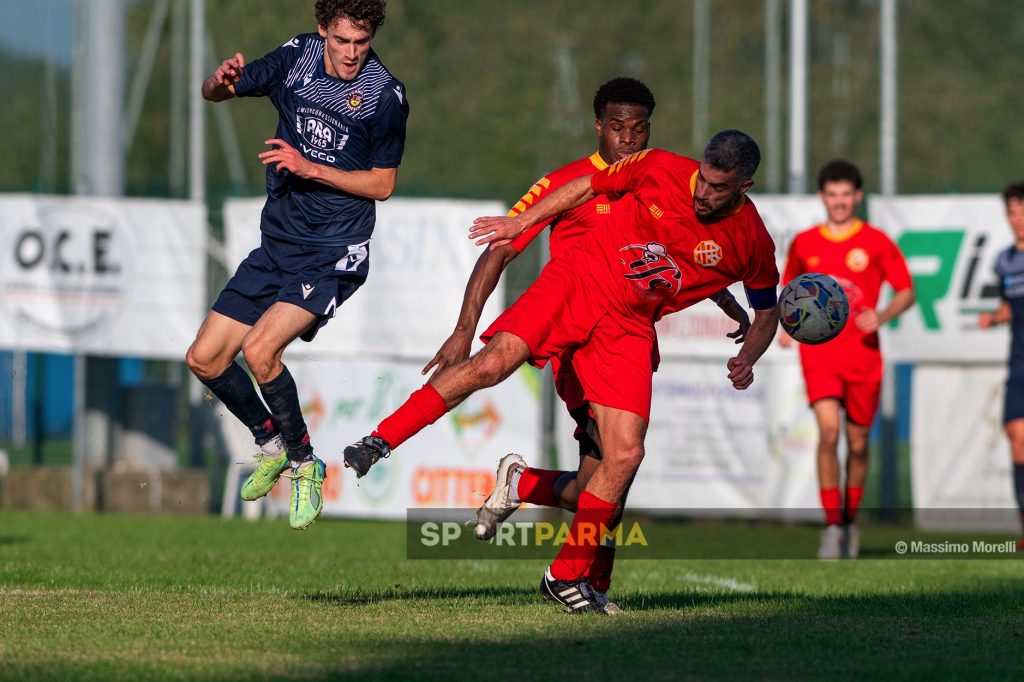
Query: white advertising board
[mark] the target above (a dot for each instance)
(950, 243)
(715, 450)
(101, 276)
(449, 464)
(960, 459)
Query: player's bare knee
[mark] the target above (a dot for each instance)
(828, 437)
(203, 367)
(626, 458)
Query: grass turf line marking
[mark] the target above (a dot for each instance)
(716, 581)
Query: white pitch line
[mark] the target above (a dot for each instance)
(727, 583)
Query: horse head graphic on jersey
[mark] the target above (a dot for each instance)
(651, 265)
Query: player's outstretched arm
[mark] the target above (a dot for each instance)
(501, 230)
(759, 337)
(221, 84)
(376, 183)
(869, 320)
(486, 273)
(731, 307)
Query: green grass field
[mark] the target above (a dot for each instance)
(109, 597)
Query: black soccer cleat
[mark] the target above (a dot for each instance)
(362, 455)
(577, 596)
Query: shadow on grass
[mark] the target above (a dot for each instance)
(13, 539)
(686, 635)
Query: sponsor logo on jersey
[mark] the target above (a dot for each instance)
(857, 260)
(707, 253)
(649, 264)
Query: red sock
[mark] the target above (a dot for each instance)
(592, 519)
(853, 498)
(600, 576)
(536, 486)
(832, 504)
(423, 408)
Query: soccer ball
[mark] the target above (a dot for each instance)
(813, 308)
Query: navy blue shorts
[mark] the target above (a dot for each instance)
(1013, 403)
(315, 278)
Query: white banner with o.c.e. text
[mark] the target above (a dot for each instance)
(101, 276)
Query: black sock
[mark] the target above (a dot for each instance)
(234, 388)
(283, 399)
(1018, 485)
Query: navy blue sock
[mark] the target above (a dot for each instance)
(283, 400)
(1018, 485)
(235, 390)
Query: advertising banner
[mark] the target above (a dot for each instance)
(950, 243)
(711, 447)
(101, 276)
(449, 464)
(420, 261)
(960, 460)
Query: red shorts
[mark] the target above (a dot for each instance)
(858, 397)
(560, 314)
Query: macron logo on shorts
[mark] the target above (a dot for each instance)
(307, 289)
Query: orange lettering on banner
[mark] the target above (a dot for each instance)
(446, 487)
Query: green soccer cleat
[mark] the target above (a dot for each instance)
(262, 481)
(306, 500)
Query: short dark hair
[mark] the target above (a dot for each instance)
(623, 91)
(839, 170)
(1014, 190)
(733, 149)
(368, 15)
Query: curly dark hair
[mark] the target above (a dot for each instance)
(368, 15)
(840, 170)
(623, 91)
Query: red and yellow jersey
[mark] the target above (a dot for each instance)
(860, 259)
(568, 227)
(655, 257)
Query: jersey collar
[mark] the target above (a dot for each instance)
(842, 236)
(598, 162)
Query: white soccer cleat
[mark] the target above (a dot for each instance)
(499, 505)
(851, 541)
(831, 546)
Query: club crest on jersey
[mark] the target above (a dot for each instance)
(651, 265)
(707, 254)
(355, 99)
(857, 260)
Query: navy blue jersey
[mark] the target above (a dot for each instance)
(352, 125)
(1010, 270)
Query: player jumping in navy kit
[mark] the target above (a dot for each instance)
(337, 148)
